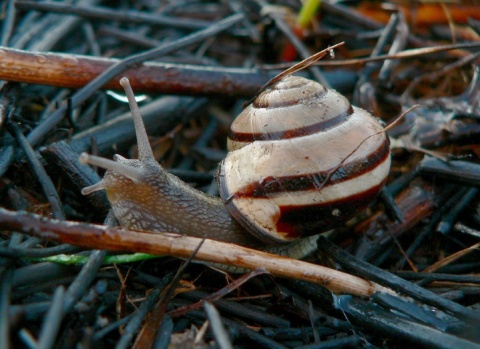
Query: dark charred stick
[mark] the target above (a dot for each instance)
(4, 109)
(353, 341)
(104, 13)
(86, 310)
(91, 39)
(237, 7)
(16, 252)
(202, 141)
(448, 221)
(462, 172)
(38, 273)
(296, 42)
(363, 95)
(44, 286)
(54, 102)
(165, 331)
(127, 36)
(296, 333)
(114, 326)
(137, 319)
(432, 277)
(5, 294)
(83, 279)
(351, 15)
(52, 321)
(359, 267)
(64, 160)
(371, 316)
(30, 24)
(391, 207)
(414, 311)
(460, 294)
(252, 335)
(17, 199)
(398, 44)
(48, 31)
(401, 182)
(300, 291)
(8, 22)
(239, 310)
(45, 181)
(244, 332)
(160, 117)
(383, 256)
(27, 312)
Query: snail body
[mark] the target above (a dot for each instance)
(301, 161)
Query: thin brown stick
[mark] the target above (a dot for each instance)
(406, 54)
(75, 71)
(304, 64)
(118, 239)
(218, 294)
(450, 259)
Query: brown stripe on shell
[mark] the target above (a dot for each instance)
(313, 181)
(300, 221)
(322, 126)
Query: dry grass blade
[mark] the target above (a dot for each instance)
(406, 54)
(307, 62)
(451, 258)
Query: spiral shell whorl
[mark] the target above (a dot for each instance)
(291, 108)
(295, 169)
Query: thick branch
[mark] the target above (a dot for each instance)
(74, 71)
(117, 239)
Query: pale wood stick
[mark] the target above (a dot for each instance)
(119, 239)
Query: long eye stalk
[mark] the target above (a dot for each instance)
(144, 150)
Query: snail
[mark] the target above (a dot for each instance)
(302, 160)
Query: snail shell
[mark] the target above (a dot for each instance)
(302, 160)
